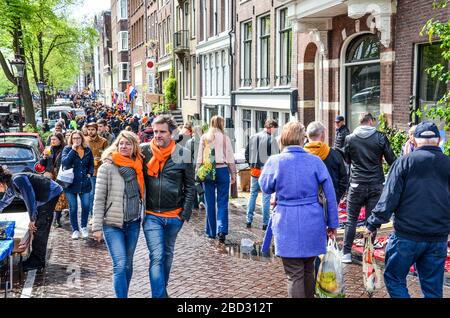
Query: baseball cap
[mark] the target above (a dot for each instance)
(339, 118)
(426, 129)
(92, 124)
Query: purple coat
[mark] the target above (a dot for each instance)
(298, 222)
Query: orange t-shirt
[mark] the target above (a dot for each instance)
(167, 214)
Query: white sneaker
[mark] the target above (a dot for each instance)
(84, 232)
(347, 258)
(75, 235)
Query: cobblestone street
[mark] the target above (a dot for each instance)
(202, 267)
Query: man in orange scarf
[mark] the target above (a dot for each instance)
(170, 190)
(332, 159)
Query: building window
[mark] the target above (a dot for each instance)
(274, 116)
(193, 20)
(287, 116)
(246, 125)
(186, 78)
(122, 10)
(217, 73)
(123, 41)
(205, 21)
(193, 77)
(215, 22)
(261, 117)
(247, 55)
(212, 77)
(224, 79)
(186, 16)
(124, 74)
(362, 71)
(264, 51)
(205, 73)
(285, 49)
(429, 90)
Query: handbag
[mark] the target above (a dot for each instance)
(65, 177)
(323, 202)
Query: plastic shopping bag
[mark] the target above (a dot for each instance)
(371, 272)
(330, 281)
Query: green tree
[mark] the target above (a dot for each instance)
(440, 30)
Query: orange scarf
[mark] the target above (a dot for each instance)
(123, 161)
(318, 148)
(159, 158)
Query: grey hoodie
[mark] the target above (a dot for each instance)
(364, 131)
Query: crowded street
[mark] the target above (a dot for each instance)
(250, 149)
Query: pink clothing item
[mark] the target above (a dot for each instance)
(223, 151)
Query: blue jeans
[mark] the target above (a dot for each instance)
(160, 234)
(254, 189)
(91, 195)
(429, 257)
(73, 209)
(121, 243)
(222, 184)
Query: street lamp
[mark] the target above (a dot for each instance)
(41, 88)
(18, 65)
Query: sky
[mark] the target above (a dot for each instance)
(91, 7)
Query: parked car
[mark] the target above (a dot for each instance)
(54, 114)
(20, 156)
(18, 136)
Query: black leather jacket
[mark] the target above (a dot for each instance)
(174, 187)
(364, 150)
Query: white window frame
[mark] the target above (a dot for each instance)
(119, 10)
(121, 69)
(193, 76)
(278, 50)
(120, 42)
(243, 65)
(259, 51)
(193, 20)
(186, 77)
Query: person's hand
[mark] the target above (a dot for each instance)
(32, 227)
(98, 236)
(368, 233)
(74, 147)
(331, 233)
(233, 178)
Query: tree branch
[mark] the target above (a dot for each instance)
(6, 69)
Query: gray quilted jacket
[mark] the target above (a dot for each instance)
(109, 197)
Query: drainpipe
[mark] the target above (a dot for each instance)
(231, 126)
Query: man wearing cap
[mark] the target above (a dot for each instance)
(341, 132)
(98, 145)
(417, 191)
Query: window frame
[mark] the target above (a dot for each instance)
(284, 76)
(247, 39)
(121, 70)
(120, 43)
(263, 44)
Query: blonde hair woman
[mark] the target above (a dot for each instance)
(78, 155)
(298, 223)
(118, 201)
(216, 139)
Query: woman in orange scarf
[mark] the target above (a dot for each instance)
(118, 205)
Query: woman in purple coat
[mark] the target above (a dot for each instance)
(298, 224)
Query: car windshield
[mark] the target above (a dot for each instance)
(11, 154)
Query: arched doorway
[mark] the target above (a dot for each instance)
(362, 78)
(310, 85)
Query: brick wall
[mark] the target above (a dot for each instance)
(411, 16)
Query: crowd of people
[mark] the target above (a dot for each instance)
(132, 173)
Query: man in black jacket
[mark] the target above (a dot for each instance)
(331, 158)
(260, 147)
(170, 190)
(341, 132)
(364, 150)
(417, 191)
